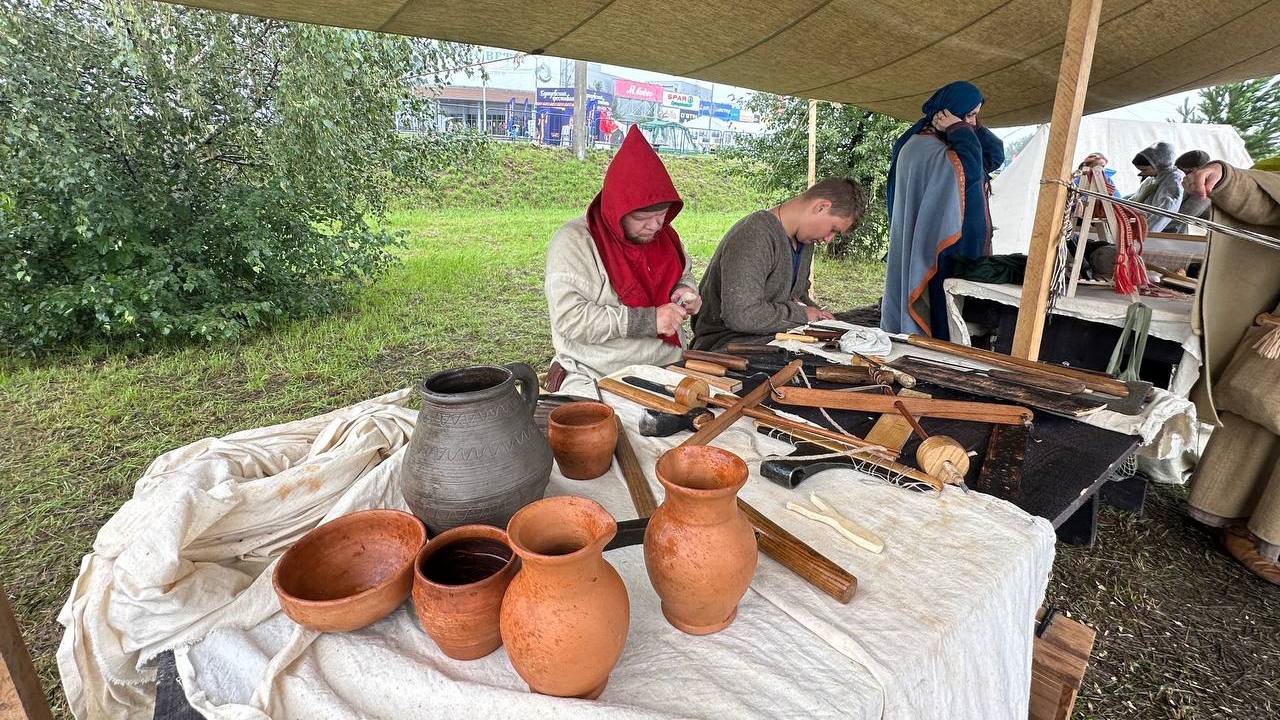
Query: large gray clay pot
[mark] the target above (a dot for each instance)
(476, 456)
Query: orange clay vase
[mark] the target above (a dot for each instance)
(459, 580)
(564, 618)
(699, 549)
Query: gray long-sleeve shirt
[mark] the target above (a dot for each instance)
(748, 290)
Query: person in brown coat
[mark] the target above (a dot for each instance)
(1236, 485)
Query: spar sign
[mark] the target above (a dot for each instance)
(637, 90)
(682, 101)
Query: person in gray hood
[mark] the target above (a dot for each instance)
(1161, 185)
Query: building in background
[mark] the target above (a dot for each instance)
(524, 97)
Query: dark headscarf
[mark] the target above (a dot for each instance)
(960, 97)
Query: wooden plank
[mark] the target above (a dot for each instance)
(1068, 104)
(1096, 381)
(637, 482)
(1059, 659)
(920, 407)
(799, 558)
(1002, 389)
(723, 383)
(1001, 473)
(20, 695)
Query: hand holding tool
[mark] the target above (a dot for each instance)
(850, 530)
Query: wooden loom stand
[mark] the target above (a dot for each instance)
(1095, 180)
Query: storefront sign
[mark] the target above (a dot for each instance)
(637, 90)
(562, 97)
(682, 101)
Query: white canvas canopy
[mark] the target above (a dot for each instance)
(1013, 191)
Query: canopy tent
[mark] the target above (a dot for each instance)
(1013, 191)
(886, 56)
(667, 136)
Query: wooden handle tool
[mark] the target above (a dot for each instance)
(819, 570)
(733, 362)
(703, 366)
(798, 337)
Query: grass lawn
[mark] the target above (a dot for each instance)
(76, 433)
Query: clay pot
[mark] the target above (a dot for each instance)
(583, 435)
(351, 571)
(458, 583)
(475, 456)
(699, 548)
(565, 616)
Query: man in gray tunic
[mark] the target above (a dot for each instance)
(758, 281)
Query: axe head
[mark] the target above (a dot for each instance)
(1132, 403)
(654, 423)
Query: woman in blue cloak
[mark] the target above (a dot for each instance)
(937, 197)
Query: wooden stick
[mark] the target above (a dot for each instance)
(751, 349)
(911, 420)
(640, 397)
(867, 402)
(703, 366)
(798, 337)
(799, 558)
(637, 483)
(733, 362)
(1094, 381)
(722, 383)
(843, 374)
(748, 402)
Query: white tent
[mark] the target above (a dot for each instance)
(1013, 191)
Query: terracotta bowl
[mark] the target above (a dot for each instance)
(351, 571)
(582, 436)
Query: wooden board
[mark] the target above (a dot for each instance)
(920, 407)
(1059, 659)
(1003, 389)
(722, 383)
(1001, 473)
(20, 695)
(892, 430)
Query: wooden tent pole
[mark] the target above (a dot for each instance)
(1068, 104)
(813, 142)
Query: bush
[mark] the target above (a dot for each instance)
(168, 172)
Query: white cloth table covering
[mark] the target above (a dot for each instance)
(941, 625)
(1170, 318)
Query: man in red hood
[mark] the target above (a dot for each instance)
(618, 282)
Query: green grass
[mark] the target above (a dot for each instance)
(505, 176)
(76, 433)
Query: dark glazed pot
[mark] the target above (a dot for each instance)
(476, 456)
(459, 580)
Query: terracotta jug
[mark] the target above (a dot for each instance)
(699, 548)
(459, 580)
(583, 435)
(475, 456)
(565, 616)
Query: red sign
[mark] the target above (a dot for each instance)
(637, 90)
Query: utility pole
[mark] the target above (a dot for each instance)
(813, 142)
(580, 109)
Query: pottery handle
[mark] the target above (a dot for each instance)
(528, 380)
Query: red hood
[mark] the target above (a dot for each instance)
(641, 275)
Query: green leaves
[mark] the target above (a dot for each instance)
(1252, 107)
(851, 142)
(174, 173)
